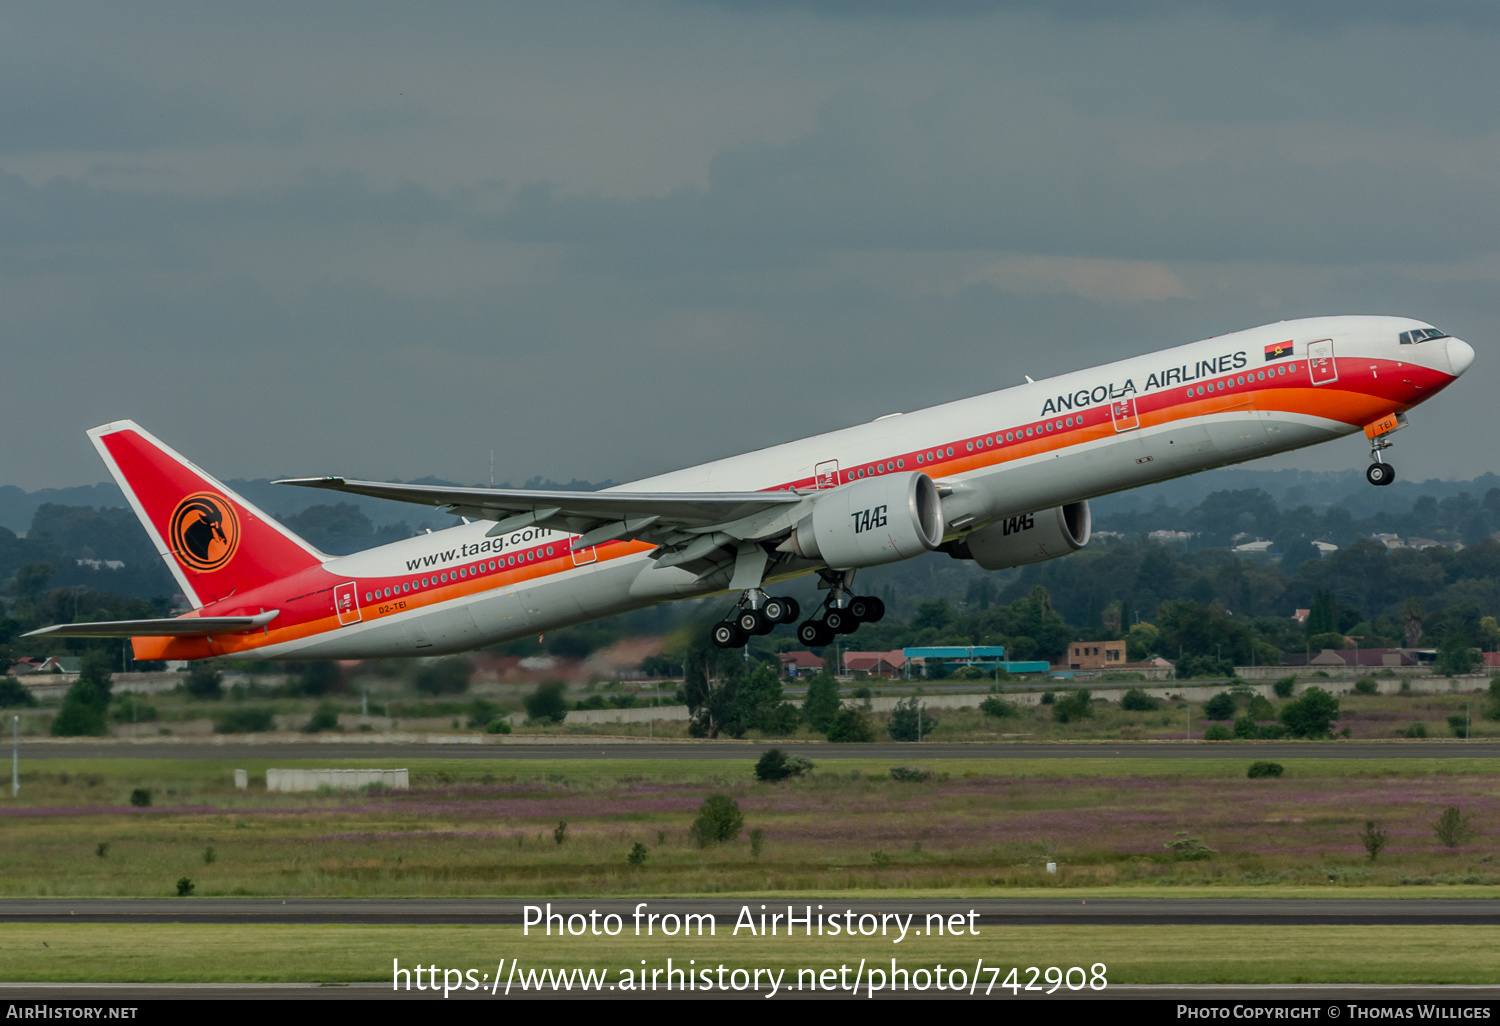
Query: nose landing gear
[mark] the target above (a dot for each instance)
(1380, 472)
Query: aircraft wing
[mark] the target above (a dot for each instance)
(692, 526)
(181, 627)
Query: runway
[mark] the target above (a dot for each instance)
(989, 912)
(653, 751)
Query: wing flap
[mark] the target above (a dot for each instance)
(180, 627)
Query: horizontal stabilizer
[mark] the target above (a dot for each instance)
(181, 627)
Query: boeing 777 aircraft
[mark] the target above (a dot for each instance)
(1003, 479)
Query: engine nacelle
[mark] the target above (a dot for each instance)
(1028, 538)
(870, 522)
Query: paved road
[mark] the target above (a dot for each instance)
(990, 912)
(609, 748)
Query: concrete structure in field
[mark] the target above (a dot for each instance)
(339, 779)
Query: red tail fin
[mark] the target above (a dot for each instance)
(215, 543)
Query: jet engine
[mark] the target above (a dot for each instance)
(1028, 538)
(873, 521)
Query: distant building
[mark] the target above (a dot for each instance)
(101, 564)
(876, 664)
(1422, 543)
(1254, 546)
(1096, 655)
(1170, 536)
(1361, 657)
(800, 664)
(1301, 615)
(1325, 548)
(1390, 541)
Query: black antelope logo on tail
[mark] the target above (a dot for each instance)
(205, 532)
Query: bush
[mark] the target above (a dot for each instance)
(561, 833)
(1459, 724)
(998, 708)
(908, 775)
(1373, 838)
(1312, 715)
(1219, 707)
(1365, 686)
(14, 694)
(1073, 706)
(1491, 706)
(82, 713)
(131, 709)
(1260, 708)
(141, 797)
(1417, 730)
(1245, 728)
(1048, 698)
(637, 856)
(719, 820)
(546, 704)
(851, 726)
(757, 842)
(776, 765)
(1284, 687)
(184, 888)
(1270, 732)
(1453, 827)
(1136, 700)
(1218, 732)
(910, 721)
(497, 726)
(325, 717)
(204, 680)
(1189, 849)
(448, 677)
(245, 721)
(1264, 769)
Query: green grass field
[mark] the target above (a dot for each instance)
(980, 826)
(1131, 954)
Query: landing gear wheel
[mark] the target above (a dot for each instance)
(727, 634)
(781, 610)
(814, 633)
(866, 608)
(753, 621)
(1380, 473)
(840, 621)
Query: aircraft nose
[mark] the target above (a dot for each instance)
(1460, 355)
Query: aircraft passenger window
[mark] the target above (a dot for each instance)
(900, 463)
(1070, 422)
(443, 578)
(970, 446)
(1028, 432)
(1260, 376)
(950, 450)
(368, 596)
(1009, 437)
(530, 556)
(929, 457)
(1049, 425)
(549, 550)
(462, 572)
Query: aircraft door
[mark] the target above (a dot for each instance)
(1123, 413)
(826, 474)
(1320, 362)
(346, 603)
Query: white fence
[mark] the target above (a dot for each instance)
(342, 779)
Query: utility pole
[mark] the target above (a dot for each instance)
(15, 756)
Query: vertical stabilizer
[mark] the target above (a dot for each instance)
(215, 543)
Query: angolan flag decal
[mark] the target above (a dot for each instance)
(1278, 351)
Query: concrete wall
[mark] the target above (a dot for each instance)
(342, 779)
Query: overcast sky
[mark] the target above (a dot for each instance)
(608, 240)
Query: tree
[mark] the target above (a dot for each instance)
(1136, 700)
(1373, 838)
(82, 713)
(1312, 715)
(851, 726)
(204, 680)
(13, 694)
(444, 677)
(1454, 656)
(822, 704)
(1453, 828)
(546, 704)
(1323, 617)
(910, 721)
(998, 707)
(31, 581)
(1412, 615)
(719, 820)
(96, 668)
(1220, 707)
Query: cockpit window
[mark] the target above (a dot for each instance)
(1421, 335)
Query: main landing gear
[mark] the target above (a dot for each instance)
(1379, 472)
(757, 613)
(842, 613)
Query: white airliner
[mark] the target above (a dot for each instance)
(1002, 478)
